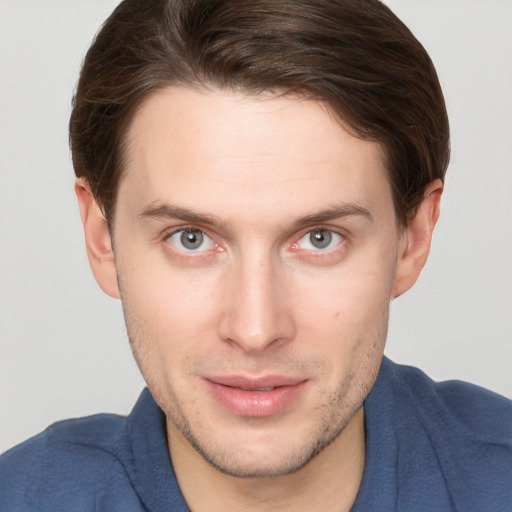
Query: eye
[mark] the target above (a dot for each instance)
(191, 240)
(319, 240)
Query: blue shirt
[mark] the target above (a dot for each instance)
(430, 446)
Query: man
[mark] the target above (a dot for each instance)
(257, 181)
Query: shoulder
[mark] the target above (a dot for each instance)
(478, 411)
(466, 429)
(474, 412)
(75, 461)
(473, 408)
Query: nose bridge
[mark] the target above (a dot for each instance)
(258, 313)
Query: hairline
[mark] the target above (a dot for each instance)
(206, 87)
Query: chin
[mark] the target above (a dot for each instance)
(248, 466)
(259, 455)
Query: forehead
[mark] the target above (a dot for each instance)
(224, 150)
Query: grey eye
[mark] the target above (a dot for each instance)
(192, 240)
(321, 238)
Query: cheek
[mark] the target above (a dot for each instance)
(169, 315)
(347, 311)
(350, 296)
(171, 302)
(168, 321)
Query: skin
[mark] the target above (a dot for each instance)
(257, 176)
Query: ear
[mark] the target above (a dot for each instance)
(416, 238)
(97, 239)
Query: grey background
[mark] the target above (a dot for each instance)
(63, 347)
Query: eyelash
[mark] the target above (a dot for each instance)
(324, 256)
(188, 255)
(333, 236)
(308, 254)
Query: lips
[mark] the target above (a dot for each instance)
(258, 397)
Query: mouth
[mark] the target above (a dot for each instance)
(256, 398)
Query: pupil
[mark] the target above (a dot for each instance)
(191, 239)
(321, 239)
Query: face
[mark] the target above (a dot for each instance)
(255, 247)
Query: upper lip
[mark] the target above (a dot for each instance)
(255, 383)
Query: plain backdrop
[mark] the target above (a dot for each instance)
(63, 346)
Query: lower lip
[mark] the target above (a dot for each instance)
(256, 404)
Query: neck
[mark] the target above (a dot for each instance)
(329, 481)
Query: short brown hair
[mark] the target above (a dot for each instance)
(354, 55)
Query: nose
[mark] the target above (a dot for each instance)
(258, 306)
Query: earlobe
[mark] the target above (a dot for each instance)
(97, 239)
(416, 238)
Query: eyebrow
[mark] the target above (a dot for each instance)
(159, 210)
(167, 211)
(334, 212)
